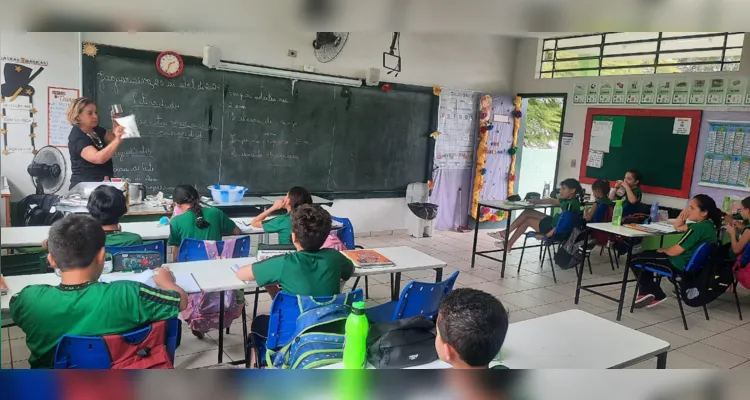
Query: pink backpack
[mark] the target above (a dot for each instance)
(202, 312)
(333, 242)
(742, 272)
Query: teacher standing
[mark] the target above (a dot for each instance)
(91, 146)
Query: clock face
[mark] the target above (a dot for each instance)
(169, 64)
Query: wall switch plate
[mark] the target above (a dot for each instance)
(308, 68)
(573, 163)
(291, 53)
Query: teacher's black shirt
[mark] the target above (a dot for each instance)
(82, 170)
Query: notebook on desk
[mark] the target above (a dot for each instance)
(184, 280)
(367, 258)
(266, 251)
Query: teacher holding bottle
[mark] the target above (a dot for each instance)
(91, 146)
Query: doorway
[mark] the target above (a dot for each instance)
(539, 142)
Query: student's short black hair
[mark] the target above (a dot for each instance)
(311, 225)
(474, 323)
(74, 241)
(601, 185)
(107, 204)
(746, 202)
(636, 174)
(299, 196)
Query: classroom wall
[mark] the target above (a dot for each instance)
(525, 81)
(465, 61)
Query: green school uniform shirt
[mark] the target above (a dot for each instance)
(45, 313)
(696, 234)
(628, 207)
(740, 232)
(117, 238)
(567, 205)
(183, 226)
(306, 273)
(281, 225)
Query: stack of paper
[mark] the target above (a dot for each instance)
(184, 280)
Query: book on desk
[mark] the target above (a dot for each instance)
(367, 258)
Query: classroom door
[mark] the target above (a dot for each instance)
(539, 143)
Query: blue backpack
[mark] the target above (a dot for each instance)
(318, 337)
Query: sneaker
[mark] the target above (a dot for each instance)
(496, 235)
(655, 302)
(643, 300)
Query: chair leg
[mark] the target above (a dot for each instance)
(544, 255)
(737, 299)
(255, 303)
(522, 250)
(637, 285)
(679, 303)
(356, 282)
(611, 260)
(601, 251)
(551, 264)
(367, 287)
(591, 272)
(705, 310)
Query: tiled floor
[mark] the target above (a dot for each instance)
(722, 342)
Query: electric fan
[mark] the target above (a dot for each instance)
(47, 170)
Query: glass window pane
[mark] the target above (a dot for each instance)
(580, 41)
(672, 69)
(548, 55)
(732, 67)
(623, 61)
(546, 75)
(628, 71)
(549, 44)
(695, 43)
(677, 34)
(736, 40)
(732, 54)
(576, 53)
(629, 36)
(572, 74)
(690, 56)
(630, 48)
(579, 64)
(546, 66)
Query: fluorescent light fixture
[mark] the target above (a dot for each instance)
(282, 73)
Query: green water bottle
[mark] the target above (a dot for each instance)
(617, 213)
(355, 345)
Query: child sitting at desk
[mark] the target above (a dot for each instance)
(629, 190)
(568, 200)
(706, 219)
(81, 305)
(282, 224)
(471, 328)
(196, 221)
(598, 212)
(739, 235)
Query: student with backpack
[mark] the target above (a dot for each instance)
(706, 221)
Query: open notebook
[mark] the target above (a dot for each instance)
(185, 280)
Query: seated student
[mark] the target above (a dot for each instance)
(739, 235)
(195, 221)
(629, 190)
(568, 200)
(471, 328)
(81, 305)
(107, 204)
(706, 218)
(310, 271)
(282, 224)
(600, 190)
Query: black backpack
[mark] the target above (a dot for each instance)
(402, 343)
(36, 210)
(708, 282)
(570, 253)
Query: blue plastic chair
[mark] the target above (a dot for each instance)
(90, 352)
(282, 322)
(568, 220)
(697, 261)
(346, 236)
(195, 250)
(417, 298)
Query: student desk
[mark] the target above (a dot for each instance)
(572, 339)
(315, 199)
(629, 235)
(502, 205)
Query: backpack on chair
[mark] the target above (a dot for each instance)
(39, 210)
(707, 283)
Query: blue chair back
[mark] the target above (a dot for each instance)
(157, 247)
(600, 215)
(700, 256)
(567, 222)
(422, 298)
(195, 250)
(285, 309)
(345, 234)
(90, 352)
(745, 259)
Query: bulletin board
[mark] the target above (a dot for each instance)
(726, 156)
(660, 143)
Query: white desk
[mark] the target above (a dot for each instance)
(135, 209)
(245, 202)
(572, 339)
(315, 200)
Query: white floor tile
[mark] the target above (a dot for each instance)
(675, 341)
(197, 360)
(191, 345)
(521, 315)
(712, 355)
(729, 344)
(678, 360)
(18, 350)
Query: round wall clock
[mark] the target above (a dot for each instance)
(169, 64)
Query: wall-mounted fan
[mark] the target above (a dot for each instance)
(48, 170)
(328, 45)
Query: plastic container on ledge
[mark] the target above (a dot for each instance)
(227, 193)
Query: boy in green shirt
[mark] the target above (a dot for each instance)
(81, 305)
(597, 213)
(629, 190)
(310, 271)
(282, 224)
(471, 329)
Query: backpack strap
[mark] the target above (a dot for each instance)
(149, 353)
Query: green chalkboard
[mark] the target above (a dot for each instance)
(208, 126)
(646, 141)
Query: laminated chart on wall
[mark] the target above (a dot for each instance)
(457, 124)
(58, 127)
(726, 162)
(17, 105)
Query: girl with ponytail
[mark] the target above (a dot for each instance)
(193, 221)
(705, 224)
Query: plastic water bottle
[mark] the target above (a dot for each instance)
(355, 333)
(617, 213)
(654, 215)
(545, 192)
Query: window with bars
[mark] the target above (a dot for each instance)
(639, 53)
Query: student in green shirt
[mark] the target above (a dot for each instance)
(282, 224)
(629, 189)
(196, 221)
(471, 329)
(738, 231)
(80, 304)
(567, 200)
(706, 221)
(600, 190)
